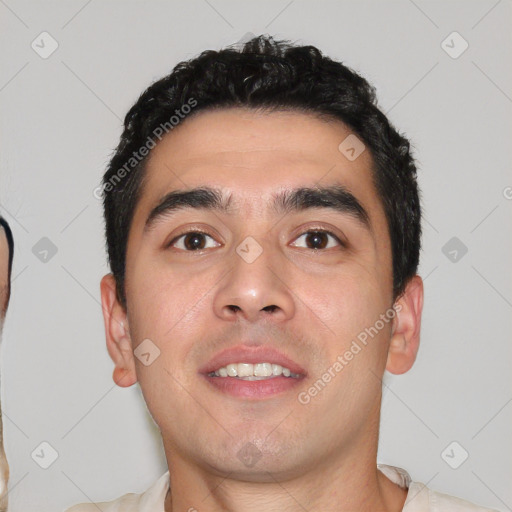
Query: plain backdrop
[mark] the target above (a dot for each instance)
(61, 119)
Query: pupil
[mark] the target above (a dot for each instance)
(317, 239)
(194, 241)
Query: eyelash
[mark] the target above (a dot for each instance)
(309, 231)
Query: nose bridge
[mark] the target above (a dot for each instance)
(253, 288)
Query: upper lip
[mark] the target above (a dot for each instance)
(246, 354)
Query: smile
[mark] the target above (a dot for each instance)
(249, 371)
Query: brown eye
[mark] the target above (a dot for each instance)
(192, 241)
(319, 239)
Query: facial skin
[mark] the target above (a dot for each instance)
(4, 273)
(4, 281)
(321, 455)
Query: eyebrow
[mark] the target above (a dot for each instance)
(335, 197)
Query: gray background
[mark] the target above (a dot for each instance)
(60, 120)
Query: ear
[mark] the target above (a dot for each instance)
(119, 343)
(405, 334)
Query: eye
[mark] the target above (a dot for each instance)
(192, 241)
(318, 239)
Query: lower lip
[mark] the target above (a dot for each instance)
(253, 388)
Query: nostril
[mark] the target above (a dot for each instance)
(234, 308)
(270, 309)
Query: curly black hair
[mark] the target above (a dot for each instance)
(265, 74)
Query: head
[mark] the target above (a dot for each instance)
(293, 244)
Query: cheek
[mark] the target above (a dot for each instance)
(351, 299)
(160, 299)
(165, 307)
(352, 305)
(173, 308)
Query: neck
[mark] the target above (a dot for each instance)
(344, 482)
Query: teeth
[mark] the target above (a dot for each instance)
(232, 370)
(262, 370)
(258, 371)
(245, 370)
(277, 369)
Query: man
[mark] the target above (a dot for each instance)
(263, 230)
(6, 255)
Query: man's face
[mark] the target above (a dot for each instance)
(4, 274)
(306, 295)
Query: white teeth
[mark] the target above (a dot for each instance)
(277, 369)
(262, 370)
(258, 371)
(245, 370)
(232, 370)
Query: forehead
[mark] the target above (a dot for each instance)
(254, 154)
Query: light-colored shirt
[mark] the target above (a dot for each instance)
(419, 497)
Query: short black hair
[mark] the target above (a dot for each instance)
(10, 243)
(269, 75)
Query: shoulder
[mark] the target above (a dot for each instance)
(422, 499)
(442, 502)
(150, 501)
(127, 503)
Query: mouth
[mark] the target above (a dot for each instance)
(252, 372)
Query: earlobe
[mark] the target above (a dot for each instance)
(405, 338)
(123, 377)
(117, 334)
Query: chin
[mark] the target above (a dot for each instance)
(253, 459)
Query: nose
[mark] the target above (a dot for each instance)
(257, 288)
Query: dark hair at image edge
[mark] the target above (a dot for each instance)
(10, 243)
(270, 75)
